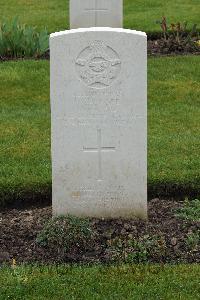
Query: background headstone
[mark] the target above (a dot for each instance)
(96, 13)
(99, 122)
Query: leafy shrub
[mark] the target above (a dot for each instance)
(193, 240)
(64, 233)
(190, 211)
(21, 41)
(176, 37)
(136, 250)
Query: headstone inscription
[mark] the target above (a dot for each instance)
(96, 13)
(99, 122)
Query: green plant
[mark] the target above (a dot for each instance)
(19, 273)
(190, 210)
(193, 240)
(23, 41)
(138, 251)
(131, 250)
(64, 233)
(176, 37)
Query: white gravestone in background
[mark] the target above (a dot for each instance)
(96, 13)
(99, 122)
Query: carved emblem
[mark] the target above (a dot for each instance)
(98, 65)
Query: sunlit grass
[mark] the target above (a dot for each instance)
(138, 14)
(98, 282)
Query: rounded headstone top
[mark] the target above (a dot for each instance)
(97, 29)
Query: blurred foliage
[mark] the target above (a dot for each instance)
(190, 210)
(22, 41)
(63, 233)
(177, 37)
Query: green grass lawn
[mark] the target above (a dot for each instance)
(138, 14)
(173, 129)
(173, 125)
(114, 282)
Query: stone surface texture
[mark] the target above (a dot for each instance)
(99, 122)
(96, 13)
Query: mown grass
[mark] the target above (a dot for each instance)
(138, 14)
(173, 126)
(24, 130)
(173, 129)
(97, 282)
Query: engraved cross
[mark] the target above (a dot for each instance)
(99, 149)
(96, 10)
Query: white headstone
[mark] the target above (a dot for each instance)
(96, 13)
(99, 122)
